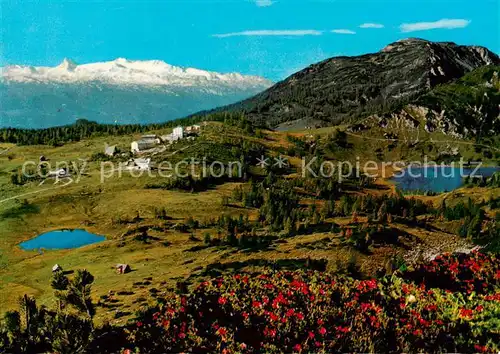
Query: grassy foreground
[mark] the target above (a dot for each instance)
(175, 249)
(450, 304)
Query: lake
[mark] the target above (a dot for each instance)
(438, 180)
(61, 239)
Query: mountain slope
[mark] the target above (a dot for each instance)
(119, 91)
(345, 88)
(466, 108)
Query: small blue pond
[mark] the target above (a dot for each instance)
(61, 239)
(437, 179)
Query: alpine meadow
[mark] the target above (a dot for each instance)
(321, 190)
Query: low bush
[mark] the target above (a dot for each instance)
(309, 311)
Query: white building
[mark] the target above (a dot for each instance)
(143, 144)
(109, 150)
(178, 133)
(138, 164)
(146, 142)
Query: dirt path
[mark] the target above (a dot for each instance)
(6, 150)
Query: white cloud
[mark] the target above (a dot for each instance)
(371, 25)
(270, 33)
(264, 3)
(444, 24)
(343, 31)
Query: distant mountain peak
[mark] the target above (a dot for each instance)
(67, 64)
(122, 71)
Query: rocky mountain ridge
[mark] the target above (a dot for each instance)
(122, 71)
(346, 89)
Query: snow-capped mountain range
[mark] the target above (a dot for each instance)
(123, 72)
(120, 91)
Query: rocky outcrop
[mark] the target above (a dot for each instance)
(465, 108)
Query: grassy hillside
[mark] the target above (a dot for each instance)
(171, 231)
(266, 225)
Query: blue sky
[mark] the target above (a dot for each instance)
(259, 37)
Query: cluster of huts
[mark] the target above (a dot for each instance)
(151, 143)
(148, 142)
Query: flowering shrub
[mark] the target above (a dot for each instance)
(309, 311)
(474, 272)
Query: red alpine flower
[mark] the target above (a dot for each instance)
(256, 304)
(431, 307)
(480, 348)
(222, 331)
(365, 306)
(273, 317)
(466, 313)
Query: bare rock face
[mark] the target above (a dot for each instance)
(344, 89)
